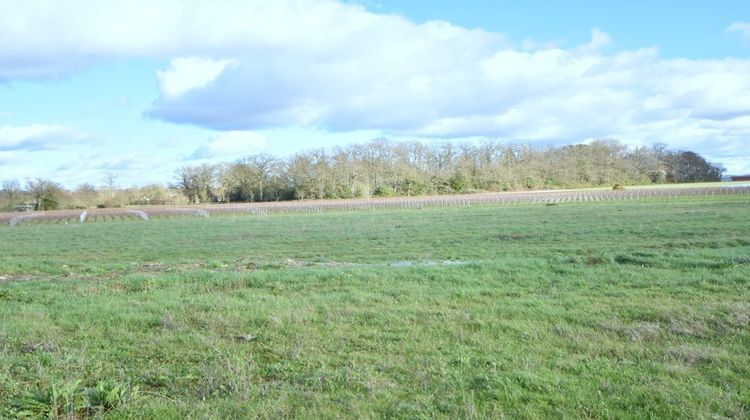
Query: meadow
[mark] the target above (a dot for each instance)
(612, 309)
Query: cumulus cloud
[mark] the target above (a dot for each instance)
(67, 31)
(231, 144)
(37, 137)
(186, 74)
(525, 95)
(741, 29)
(599, 41)
(336, 66)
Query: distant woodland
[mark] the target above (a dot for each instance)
(382, 168)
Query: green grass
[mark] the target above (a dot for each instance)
(619, 309)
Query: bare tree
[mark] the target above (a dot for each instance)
(45, 193)
(383, 168)
(196, 182)
(262, 166)
(691, 167)
(85, 195)
(301, 176)
(12, 193)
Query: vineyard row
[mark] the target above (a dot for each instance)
(318, 206)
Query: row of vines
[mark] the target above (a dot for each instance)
(318, 206)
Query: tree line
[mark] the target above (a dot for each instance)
(44, 194)
(383, 168)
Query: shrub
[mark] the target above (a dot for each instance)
(384, 191)
(658, 177)
(49, 203)
(458, 182)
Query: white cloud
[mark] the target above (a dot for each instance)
(37, 137)
(66, 31)
(241, 66)
(741, 29)
(186, 74)
(231, 144)
(599, 41)
(550, 94)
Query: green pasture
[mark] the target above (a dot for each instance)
(631, 309)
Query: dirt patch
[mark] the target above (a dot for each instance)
(16, 278)
(245, 338)
(427, 263)
(638, 260)
(153, 267)
(337, 264)
(290, 263)
(38, 346)
(513, 237)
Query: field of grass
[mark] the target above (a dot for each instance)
(602, 309)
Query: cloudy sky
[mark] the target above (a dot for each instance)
(138, 88)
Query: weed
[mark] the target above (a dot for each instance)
(108, 395)
(71, 400)
(56, 401)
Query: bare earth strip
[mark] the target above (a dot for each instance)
(316, 206)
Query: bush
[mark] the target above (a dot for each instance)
(458, 182)
(658, 177)
(409, 187)
(384, 191)
(49, 203)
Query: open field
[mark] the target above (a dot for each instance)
(378, 203)
(556, 308)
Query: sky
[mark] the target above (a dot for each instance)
(139, 88)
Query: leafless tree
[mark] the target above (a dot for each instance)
(12, 193)
(44, 192)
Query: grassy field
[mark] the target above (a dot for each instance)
(609, 309)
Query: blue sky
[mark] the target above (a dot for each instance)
(140, 88)
(688, 28)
